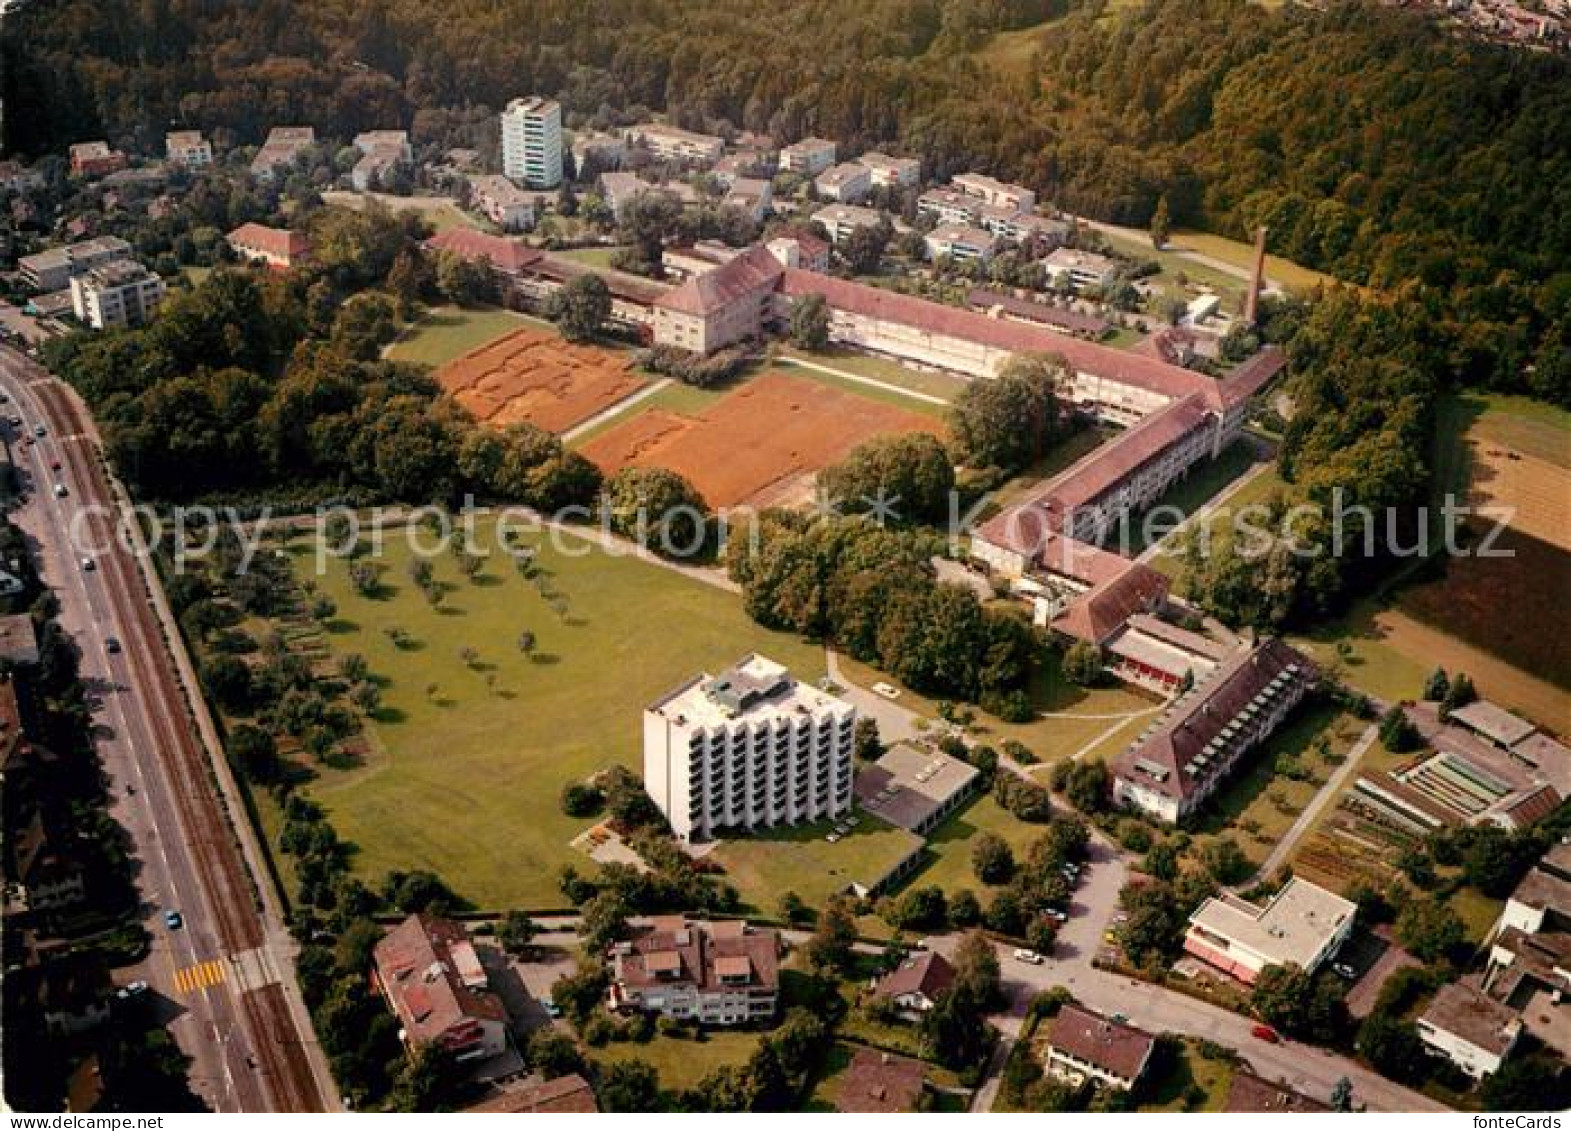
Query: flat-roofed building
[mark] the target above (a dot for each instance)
(915, 788)
(996, 193)
(604, 151)
(532, 142)
(753, 195)
(808, 157)
(1008, 224)
(718, 973)
(283, 145)
(949, 206)
(751, 748)
(1171, 770)
(502, 202)
(188, 149)
(276, 247)
(960, 242)
(847, 182)
(1493, 723)
(840, 220)
(53, 269)
(1469, 1028)
(1302, 925)
(381, 153)
(1085, 1046)
(800, 250)
(121, 293)
(1080, 269)
(669, 143)
(95, 159)
(1542, 898)
(891, 172)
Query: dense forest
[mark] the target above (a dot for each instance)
(1374, 146)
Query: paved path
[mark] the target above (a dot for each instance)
(1199, 257)
(872, 382)
(615, 410)
(1317, 805)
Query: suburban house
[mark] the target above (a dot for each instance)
(914, 788)
(53, 269)
(1469, 1028)
(668, 143)
(720, 973)
(847, 182)
(995, 193)
(188, 149)
(840, 220)
(1255, 1095)
(381, 152)
(502, 202)
(880, 1083)
(1085, 1046)
(960, 242)
(70, 993)
(120, 293)
(18, 640)
(1302, 925)
(1184, 757)
(1008, 224)
(621, 189)
(433, 980)
(809, 157)
(95, 159)
(1080, 269)
(276, 247)
(1542, 899)
(283, 145)
(750, 748)
(565, 1095)
(891, 172)
(50, 877)
(753, 195)
(917, 984)
(1529, 967)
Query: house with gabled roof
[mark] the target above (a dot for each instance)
(432, 978)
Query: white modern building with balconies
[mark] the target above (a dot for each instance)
(532, 142)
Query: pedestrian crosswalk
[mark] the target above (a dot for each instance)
(199, 976)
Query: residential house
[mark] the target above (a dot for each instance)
(891, 172)
(18, 178)
(668, 143)
(283, 145)
(960, 242)
(1080, 269)
(997, 194)
(433, 980)
(382, 152)
(720, 973)
(621, 189)
(532, 142)
(95, 159)
(800, 250)
(1302, 925)
(277, 247)
(1469, 1028)
(840, 220)
(719, 309)
(880, 1083)
(949, 206)
(1062, 319)
(70, 993)
(1256, 1095)
(503, 203)
(847, 182)
(188, 149)
(52, 879)
(565, 1095)
(1085, 1046)
(605, 151)
(918, 983)
(752, 195)
(53, 269)
(121, 293)
(808, 157)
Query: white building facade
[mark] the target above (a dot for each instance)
(122, 293)
(532, 142)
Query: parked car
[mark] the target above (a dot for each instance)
(134, 990)
(1120, 1018)
(88, 565)
(60, 491)
(887, 690)
(550, 1007)
(40, 431)
(1265, 1033)
(111, 645)
(173, 921)
(1343, 970)
(1028, 956)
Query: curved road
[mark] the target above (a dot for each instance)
(223, 979)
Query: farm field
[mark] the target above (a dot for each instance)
(895, 398)
(535, 376)
(760, 444)
(769, 863)
(468, 756)
(447, 332)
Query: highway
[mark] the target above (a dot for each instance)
(224, 975)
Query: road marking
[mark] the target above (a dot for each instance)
(199, 976)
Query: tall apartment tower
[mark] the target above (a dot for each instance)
(532, 142)
(750, 748)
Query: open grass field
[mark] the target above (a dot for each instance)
(535, 376)
(1181, 277)
(438, 211)
(946, 386)
(447, 332)
(681, 1062)
(949, 848)
(597, 257)
(1191, 1068)
(759, 445)
(1242, 254)
(770, 863)
(468, 760)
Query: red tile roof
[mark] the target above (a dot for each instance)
(927, 973)
(705, 955)
(756, 269)
(1253, 1094)
(280, 243)
(566, 1095)
(1109, 1045)
(504, 254)
(878, 1083)
(1030, 311)
(1252, 375)
(1098, 613)
(1003, 334)
(418, 967)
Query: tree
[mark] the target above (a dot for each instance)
(660, 510)
(1535, 1082)
(898, 478)
(629, 1085)
(253, 751)
(515, 932)
(810, 322)
(1394, 1047)
(865, 743)
(829, 948)
(1459, 694)
(1161, 224)
(581, 308)
(1299, 1004)
(977, 974)
(1224, 861)
(864, 248)
(463, 281)
(1437, 686)
(1082, 664)
(1088, 785)
(1428, 929)
(1009, 421)
(1398, 733)
(1342, 1095)
(992, 861)
(920, 909)
(603, 921)
(228, 680)
(964, 909)
(581, 799)
(1156, 922)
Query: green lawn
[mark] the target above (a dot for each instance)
(1198, 488)
(1075, 446)
(867, 392)
(682, 1062)
(446, 332)
(768, 864)
(597, 257)
(468, 762)
(950, 845)
(438, 211)
(1242, 254)
(944, 385)
(1196, 275)
(1189, 1069)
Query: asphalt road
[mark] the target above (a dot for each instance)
(222, 978)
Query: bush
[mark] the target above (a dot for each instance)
(693, 368)
(581, 799)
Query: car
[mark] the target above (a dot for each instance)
(887, 690)
(16, 421)
(173, 921)
(54, 465)
(60, 491)
(40, 431)
(134, 990)
(1120, 1018)
(550, 1007)
(88, 565)
(920, 944)
(1028, 956)
(1265, 1033)
(1061, 916)
(1343, 970)
(111, 645)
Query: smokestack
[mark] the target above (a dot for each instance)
(1256, 279)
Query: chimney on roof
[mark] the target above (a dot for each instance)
(1256, 278)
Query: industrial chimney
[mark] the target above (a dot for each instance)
(1257, 278)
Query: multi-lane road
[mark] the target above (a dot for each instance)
(223, 975)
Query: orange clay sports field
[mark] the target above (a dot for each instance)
(534, 376)
(758, 446)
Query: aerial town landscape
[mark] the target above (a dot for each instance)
(572, 556)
